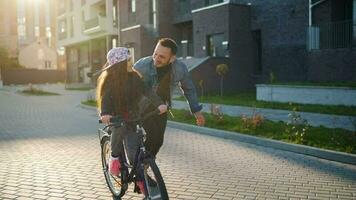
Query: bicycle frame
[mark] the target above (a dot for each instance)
(143, 166)
(141, 152)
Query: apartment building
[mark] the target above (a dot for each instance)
(86, 30)
(293, 41)
(258, 39)
(204, 30)
(8, 27)
(28, 32)
(142, 22)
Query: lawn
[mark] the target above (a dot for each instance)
(80, 89)
(320, 137)
(249, 99)
(37, 92)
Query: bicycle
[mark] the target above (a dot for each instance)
(144, 164)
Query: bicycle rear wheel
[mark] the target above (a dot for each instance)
(115, 183)
(154, 184)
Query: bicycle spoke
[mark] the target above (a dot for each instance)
(114, 182)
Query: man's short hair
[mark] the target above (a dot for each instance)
(169, 43)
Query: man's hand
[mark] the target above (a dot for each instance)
(105, 119)
(200, 119)
(162, 108)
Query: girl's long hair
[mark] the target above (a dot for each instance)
(114, 79)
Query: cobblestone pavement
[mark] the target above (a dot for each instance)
(49, 150)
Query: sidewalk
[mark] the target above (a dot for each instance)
(314, 119)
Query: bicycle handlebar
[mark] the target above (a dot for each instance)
(118, 119)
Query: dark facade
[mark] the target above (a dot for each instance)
(256, 38)
(143, 22)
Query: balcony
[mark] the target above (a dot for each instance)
(95, 25)
(94, 2)
(332, 35)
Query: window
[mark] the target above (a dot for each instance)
(63, 26)
(71, 5)
(335, 31)
(114, 43)
(72, 26)
(37, 31)
(61, 7)
(257, 45)
(48, 64)
(21, 32)
(62, 29)
(132, 6)
(354, 22)
(49, 35)
(217, 47)
(153, 13)
(83, 17)
(21, 21)
(114, 14)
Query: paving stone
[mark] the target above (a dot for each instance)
(49, 149)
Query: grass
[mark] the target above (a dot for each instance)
(89, 103)
(249, 99)
(80, 89)
(320, 137)
(37, 92)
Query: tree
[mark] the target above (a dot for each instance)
(201, 85)
(222, 70)
(4, 57)
(6, 61)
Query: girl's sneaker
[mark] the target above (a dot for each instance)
(139, 187)
(114, 166)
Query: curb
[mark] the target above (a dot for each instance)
(296, 148)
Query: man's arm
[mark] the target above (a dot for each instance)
(190, 94)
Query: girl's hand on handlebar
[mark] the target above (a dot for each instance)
(162, 108)
(105, 119)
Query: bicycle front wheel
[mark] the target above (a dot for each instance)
(115, 183)
(154, 184)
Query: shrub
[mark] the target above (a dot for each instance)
(297, 127)
(253, 122)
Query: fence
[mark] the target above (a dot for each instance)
(25, 76)
(333, 35)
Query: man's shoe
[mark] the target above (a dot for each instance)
(114, 166)
(151, 182)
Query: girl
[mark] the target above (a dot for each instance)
(119, 90)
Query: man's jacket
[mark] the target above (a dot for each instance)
(179, 77)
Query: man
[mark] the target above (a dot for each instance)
(161, 72)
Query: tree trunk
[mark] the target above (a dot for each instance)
(221, 86)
